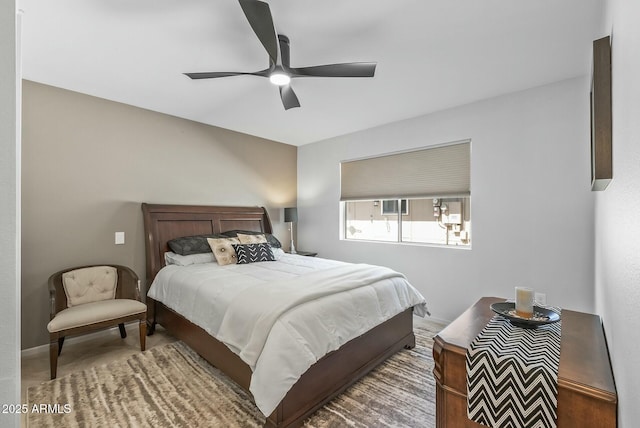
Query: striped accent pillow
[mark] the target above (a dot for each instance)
(251, 253)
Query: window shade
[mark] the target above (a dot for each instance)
(438, 171)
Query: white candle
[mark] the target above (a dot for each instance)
(524, 302)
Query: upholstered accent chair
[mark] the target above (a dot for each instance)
(89, 298)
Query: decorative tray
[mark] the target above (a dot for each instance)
(541, 316)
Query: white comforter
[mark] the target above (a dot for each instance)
(280, 344)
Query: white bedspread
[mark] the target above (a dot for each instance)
(282, 342)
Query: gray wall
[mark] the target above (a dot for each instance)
(9, 214)
(617, 270)
(88, 163)
(531, 206)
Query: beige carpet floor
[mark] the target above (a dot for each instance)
(171, 386)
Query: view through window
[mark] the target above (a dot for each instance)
(441, 221)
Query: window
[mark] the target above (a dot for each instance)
(390, 206)
(440, 221)
(431, 187)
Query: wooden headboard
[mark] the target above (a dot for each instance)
(163, 223)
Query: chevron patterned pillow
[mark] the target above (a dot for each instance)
(251, 253)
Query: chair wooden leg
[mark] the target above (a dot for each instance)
(60, 343)
(53, 357)
(143, 334)
(123, 332)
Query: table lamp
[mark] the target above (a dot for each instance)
(291, 216)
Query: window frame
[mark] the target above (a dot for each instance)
(398, 219)
(441, 171)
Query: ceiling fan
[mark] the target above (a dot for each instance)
(280, 72)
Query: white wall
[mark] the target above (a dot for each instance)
(617, 272)
(531, 205)
(9, 215)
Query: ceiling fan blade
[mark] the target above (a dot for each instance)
(289, 98)
(283, 41)
(214, 74)
(259, 16)
(351, 69)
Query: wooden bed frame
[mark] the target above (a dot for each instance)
(327, 378)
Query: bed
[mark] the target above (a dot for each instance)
(325, 379)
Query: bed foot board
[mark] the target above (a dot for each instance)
(326, 379)
(337, 371)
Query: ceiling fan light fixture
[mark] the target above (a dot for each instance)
(279, 78)
(279, 71)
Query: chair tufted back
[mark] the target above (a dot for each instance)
(90, 284)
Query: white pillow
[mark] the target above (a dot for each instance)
(172, 258)
(278, 253)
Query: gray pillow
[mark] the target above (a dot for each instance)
(196, 244)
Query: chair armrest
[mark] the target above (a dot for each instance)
(52, 301)
(128, 283)
(138, 292)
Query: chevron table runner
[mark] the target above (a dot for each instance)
(512, 375)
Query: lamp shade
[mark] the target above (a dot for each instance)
(291, 215)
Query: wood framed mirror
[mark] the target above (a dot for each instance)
(601, 132)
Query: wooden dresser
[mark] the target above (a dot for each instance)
(586, 389)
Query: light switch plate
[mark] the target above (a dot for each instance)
(119, 238)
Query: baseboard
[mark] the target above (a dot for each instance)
(438, 320)
(44, 349)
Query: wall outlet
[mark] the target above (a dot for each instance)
(540, 298)
(119, 238)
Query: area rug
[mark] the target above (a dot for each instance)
(171, 386)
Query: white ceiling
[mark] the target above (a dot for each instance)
(431, 55)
